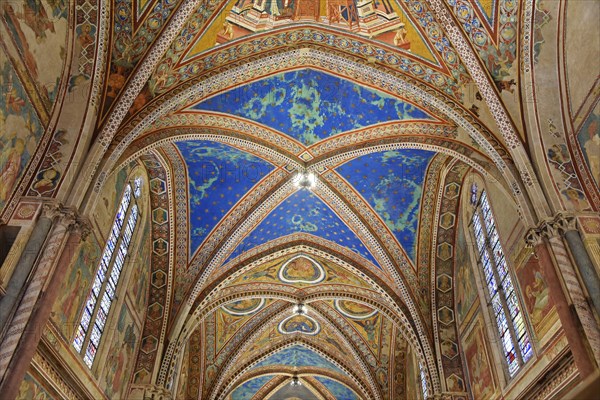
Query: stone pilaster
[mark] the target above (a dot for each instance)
(26, 325)
(566, 289)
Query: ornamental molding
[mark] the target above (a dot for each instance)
(558, 225)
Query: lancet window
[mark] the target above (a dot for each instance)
(97, 307)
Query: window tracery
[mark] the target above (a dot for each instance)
(510, 324)
(97, 307)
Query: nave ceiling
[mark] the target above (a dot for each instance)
(306, 163)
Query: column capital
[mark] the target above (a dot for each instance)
(68, 217)
(557, 225)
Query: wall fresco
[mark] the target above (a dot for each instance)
(20, 129)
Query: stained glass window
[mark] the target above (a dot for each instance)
(102, 294)
(513, 335)
(473, 194)
(423, 381)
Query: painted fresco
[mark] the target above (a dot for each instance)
(76, 287)
(243, 307)
(589, 140)
(227, 324)
(337, 389)
(536, 296)
(247, 389)
(219, 175)
(184, 381)
(310, 106)
(369, 329)
(301, 269)
(271, 272)
(466, 288)
(120, 355)
(398, 383)
(413, 382)
(381, 21)
(374, 329)
(20, 129)
(110, 197)
(478, 364)
(139, 281)
(298, 356)
(303, 212)
(39, 30)
(392, 183)
(31, 389)
(565, 177)
(353, 309)
(301, 324)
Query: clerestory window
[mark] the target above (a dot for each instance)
(97, 307)
(423, 378)
(510, 323)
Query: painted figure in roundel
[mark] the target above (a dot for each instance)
(299, 324)
(243, 307)
(354, 310)
(301, 269)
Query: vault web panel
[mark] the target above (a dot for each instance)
(249, 388)
(303, 212)
(298, 356)
(310, 106)
(392, 183)
(338, 390)
(219, 176)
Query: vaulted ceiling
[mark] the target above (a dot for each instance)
(300, 155)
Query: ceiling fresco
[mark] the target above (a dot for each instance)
(392, 183)
(353, 333)
(337, 389)
(298, 356)
(310, 105)
(219, 176)
(248, 389)
(306, 165)
(302, 159)
(300, 271)
(304, 212)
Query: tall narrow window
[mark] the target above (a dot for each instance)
(502, 296)
(95, 313)
(423, 381)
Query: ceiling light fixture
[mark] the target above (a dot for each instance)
(299, 309)
(296, 381)
(305, 180)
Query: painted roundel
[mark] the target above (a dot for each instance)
(243, 307)
(303, 324)
(354, 310)
(301, 269)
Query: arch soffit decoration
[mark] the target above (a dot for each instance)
(349, 361)
(383, 300)
(509, 173)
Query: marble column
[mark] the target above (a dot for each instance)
(21, 321)
(586, 268)
(550, 232)
(26, 348)
(15, 288)
(568, 318)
